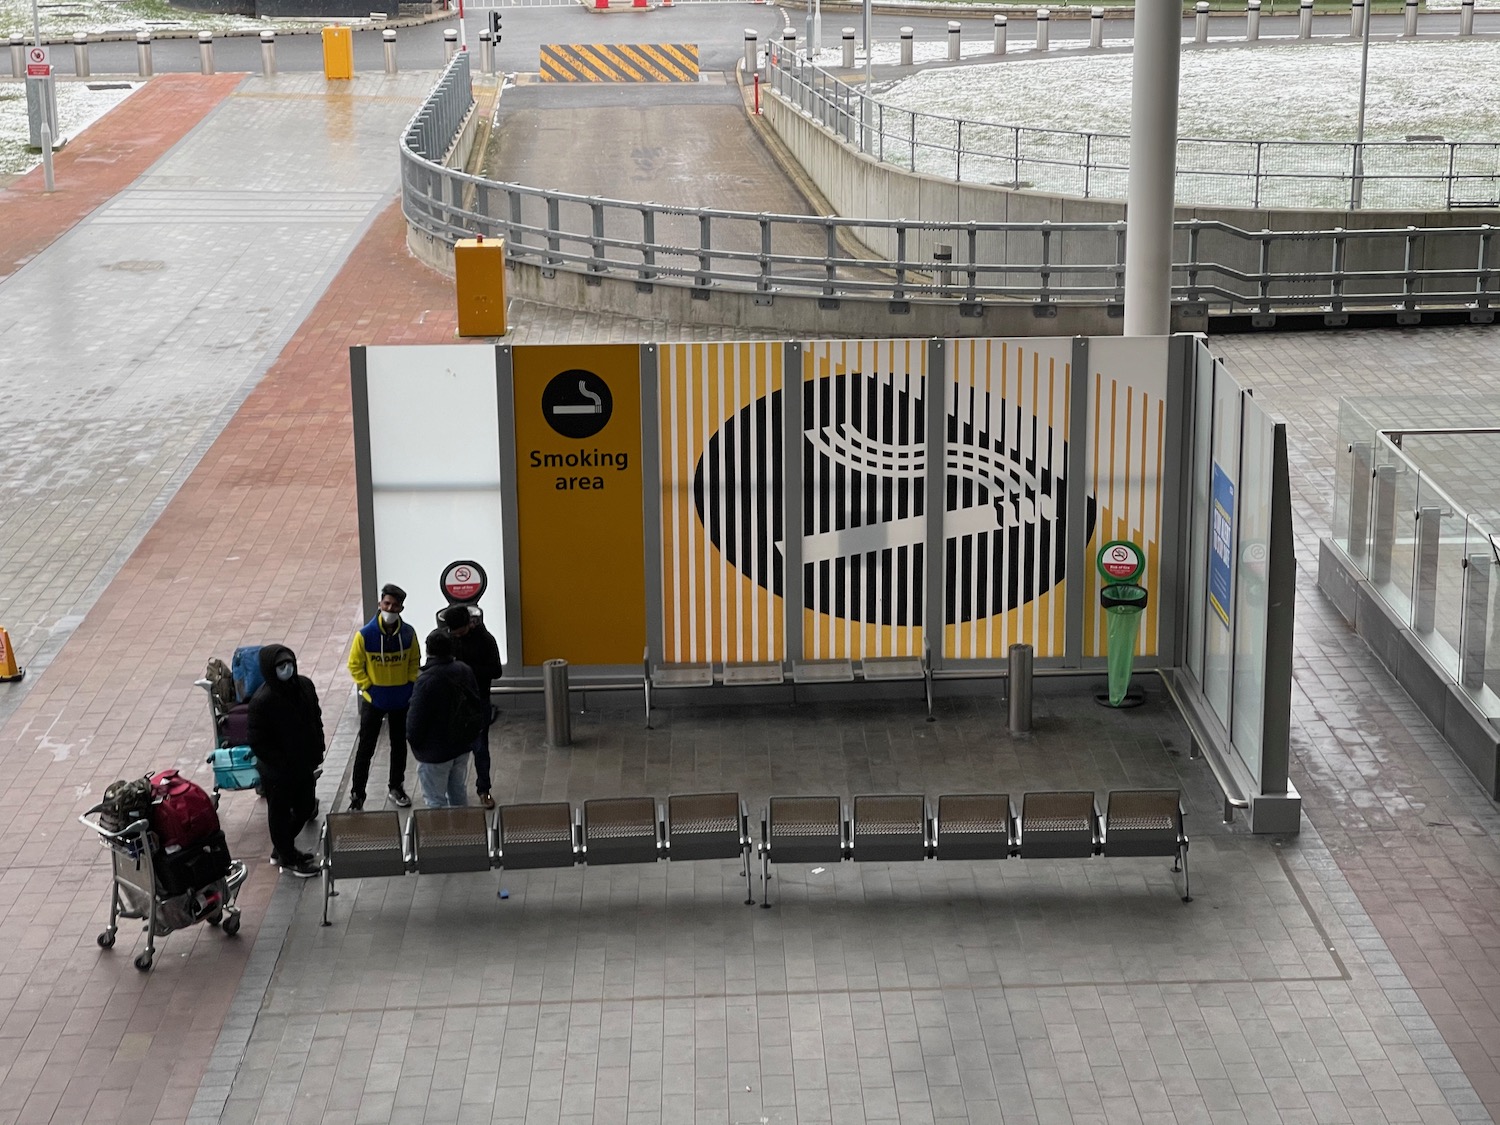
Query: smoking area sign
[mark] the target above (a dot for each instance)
(38, 62)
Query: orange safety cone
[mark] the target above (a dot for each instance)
(9, 669)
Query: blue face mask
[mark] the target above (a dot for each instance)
(285, 672)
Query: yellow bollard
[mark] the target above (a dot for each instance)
(338, 52)
(9, 669)
(479, 278)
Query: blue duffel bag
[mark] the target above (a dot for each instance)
(245, 667)
(234, 768)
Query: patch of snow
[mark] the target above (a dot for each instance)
(79, 104)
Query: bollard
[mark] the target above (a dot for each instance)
(942, 254)
(1018, 689)
(143, 53)
(49, 181)
(267, 53)
(1356, 18)
(1466, 18)
(1096, 28)
(955, 51)
(848, 37)
(1252, 21)
(1411, 18)
(907, 35)
(81, 54)
(206, 52)
(555, 699)
(450, 44)
(389, 35)
(17, 55)
(752, 52)
(1304, 20)
(1000, 29)
(486, 54)
(1200, 22)
(788, 44)
(1043, 26)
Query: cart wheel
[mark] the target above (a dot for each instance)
(143, 962)
(106, 940)
(232, 924)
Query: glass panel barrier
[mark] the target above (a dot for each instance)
(1437, 602)
(1393, 508)
(1223, 481)
(1251, 542)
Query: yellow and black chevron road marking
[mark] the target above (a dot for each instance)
(619, 62)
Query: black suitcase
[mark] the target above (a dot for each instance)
(191, 867)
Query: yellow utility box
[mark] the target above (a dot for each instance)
(479, 278)
(338, 52)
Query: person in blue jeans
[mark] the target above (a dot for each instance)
(475, 646)
(446, 714)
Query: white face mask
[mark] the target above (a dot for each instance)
(389, 618)
(285, 672)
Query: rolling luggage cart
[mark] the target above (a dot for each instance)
(134, 891)
(234, 766)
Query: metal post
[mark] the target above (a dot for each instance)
(555, 700)
(267, 53)
(1096, 28)
(1153, 164)
(486, 53)
(752, 51)
(389, 36)
(1304, 20)
(1466, 18)
(1200, 22)
(942, 254)
(17, 54)
(450, 44)
(788, 44)
(1475, 619)
(1018, 688)
(1411, 19)
(1357, 187)
(955, 52)
(1000, 29)
(1425, 577)
(206, 52)
(906, 45)
(848, 60)
(1359, 500)
(1043, 26)
(1383, 533)
(143, 53)
(81, 54)
(1356, 18)
(1252, 20)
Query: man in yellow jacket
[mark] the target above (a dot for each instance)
(384, 659)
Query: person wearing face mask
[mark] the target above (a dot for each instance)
(384, 659)
(448, 712)
(286, 734)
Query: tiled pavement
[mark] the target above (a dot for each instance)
(1339, 976)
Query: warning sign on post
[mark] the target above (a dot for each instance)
(38, 62)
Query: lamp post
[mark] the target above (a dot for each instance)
(1356, 195)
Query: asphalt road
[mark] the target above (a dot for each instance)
(717, 28)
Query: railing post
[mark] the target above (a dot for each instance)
(143, 54)
(848, 38)
(388, 36)
(554, 243)
(206, 52)
(1411, 19)
(1252, 20)
(486, 53)
(907, 35)
(267, 53)
(1424, 578)
(1475, 624)
(752, 51)
(1000, 29)
(1383, 530)
(955, 51)
(1200, 22)
(81, 54)
(1356, 19)
(763, 283)
(1304, 20)
(705, 251)
(1043, 26)
(450, 44)
(1096, 28)
(596, 213)
(648, 240)
(830, 255)
(1359, 499)
(1466, 18)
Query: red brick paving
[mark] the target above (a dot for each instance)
(103, 160)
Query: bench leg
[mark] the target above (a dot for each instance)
(765, 875)
(749, 885)
(327, 891)
(1187, 883)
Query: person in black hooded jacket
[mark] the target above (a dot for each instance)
(447, 714)
(286, 734)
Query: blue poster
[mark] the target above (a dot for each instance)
(1221, 544)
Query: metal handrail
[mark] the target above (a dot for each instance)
(1040, 263)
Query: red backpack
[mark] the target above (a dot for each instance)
(182, 813)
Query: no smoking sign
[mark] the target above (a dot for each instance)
(38, 62)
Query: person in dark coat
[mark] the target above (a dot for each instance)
(446, 714)
(475, 646)
(286, 734)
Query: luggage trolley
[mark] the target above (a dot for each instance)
(134, 892)
(234, 765)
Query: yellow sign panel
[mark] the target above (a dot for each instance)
(580, 502)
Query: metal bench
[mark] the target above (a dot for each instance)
(891, 828)
(620, 830)
(536, 835)
(709, 826)
(1147, 822)
(360, 845)
(1059, 825)
(974, 826)
(443, 841)
(800, 830)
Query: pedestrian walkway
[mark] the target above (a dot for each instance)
(183, 483)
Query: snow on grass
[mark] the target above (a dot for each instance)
(61, 18)
(79, 104)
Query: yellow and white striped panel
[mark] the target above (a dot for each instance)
(1005, 534)
(721, 461)
(619, 62)
(1127, 405)
(863, 506)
